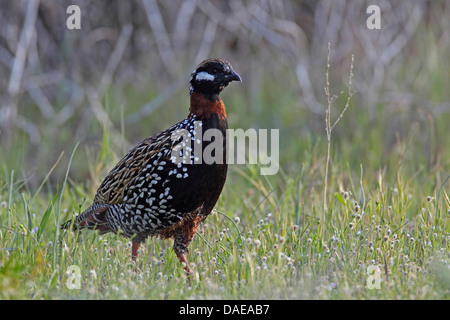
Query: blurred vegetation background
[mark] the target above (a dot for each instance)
(124, 76)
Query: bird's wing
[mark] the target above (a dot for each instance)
(119, 180)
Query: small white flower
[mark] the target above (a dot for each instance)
(93, 274)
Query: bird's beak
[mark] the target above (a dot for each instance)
(233, 76)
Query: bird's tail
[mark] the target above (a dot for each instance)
(66, 225)
(93, 217)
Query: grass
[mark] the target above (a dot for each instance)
(267, 239)
(382, 233)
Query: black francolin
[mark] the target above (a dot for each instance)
(160, 188)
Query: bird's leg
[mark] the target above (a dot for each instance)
(180, 246)
(183, 261)
(184, 237)
(134, 249)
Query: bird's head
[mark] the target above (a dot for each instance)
(211, 76)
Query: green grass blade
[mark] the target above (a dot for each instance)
(44, 219)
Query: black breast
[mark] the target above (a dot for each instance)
(204, 181)
(167, 188)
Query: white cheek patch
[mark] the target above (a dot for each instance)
(204, 76)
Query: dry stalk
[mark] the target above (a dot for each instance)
(328, 126)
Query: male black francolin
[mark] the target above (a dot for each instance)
(160, 188)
